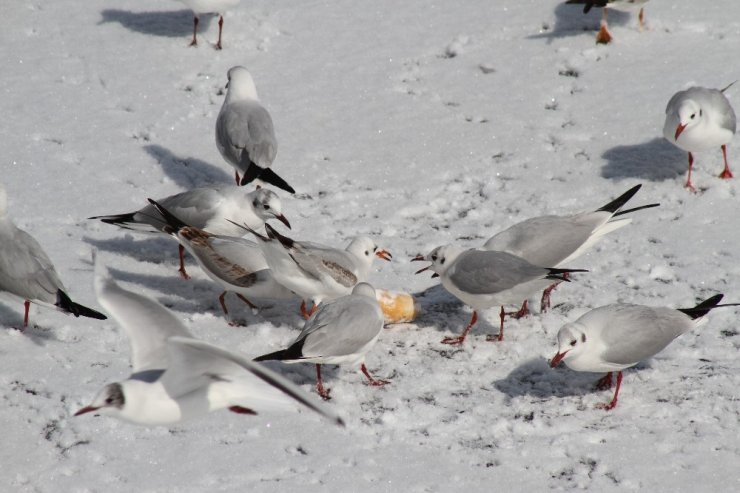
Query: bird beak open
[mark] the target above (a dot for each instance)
(557, 359)
(384, 254)
(283, 220)
(679, 129)
(420, 258)
(85, 410)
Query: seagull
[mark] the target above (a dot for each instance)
(340, 331)
(603, 36)
(614, 337)
(207, 208)
(208, 7)
(177, 377)
(244, 133)
(558, 240)
(486, 278)
(317, 272)
(27, 272)
(698, 119)
(236, 264)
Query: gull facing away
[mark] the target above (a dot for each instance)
(317, 272)
(486, 278)
(603, 36)
(614, 337)
(340, 332)
(698, 119)
(176, 377)
(558, 240)
(200, 7)
(245, 136)
(27, 272)
(207, 208)
(236, 264)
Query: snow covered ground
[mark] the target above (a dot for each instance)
(420, 124)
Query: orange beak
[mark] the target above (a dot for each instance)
(384, 254)
(679, 129)
(85, 410)
(557, 359)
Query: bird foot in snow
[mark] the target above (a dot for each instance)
(453, 341)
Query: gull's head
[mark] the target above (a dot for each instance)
(689, 115)
(110, 400)
(267, 205)
(364, 289)
(440, 258)
(240, 84)
(366, 250)
(572, 341)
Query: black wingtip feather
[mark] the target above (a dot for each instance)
(252, 173)
(617, 203)
(66, 304)
(273, 234)
(269, 176)
(559, 274)
(117, 219)
(174, 224)
(293, 352)
(704, 307)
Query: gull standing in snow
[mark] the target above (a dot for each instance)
(27, 272)
(317, 272)
(558, 240)
(176, 377)
(207, 208)
(200, 7)
(236, 264)
(341, 331)
(603, 36)
(486, 278)
(698, 119)
(244, 133)
(614, 337)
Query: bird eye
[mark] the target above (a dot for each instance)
(255, 203)
(267, 207)
(434, 258)
(693, 115)
(573, 342)
(109, 400)
(367, 254)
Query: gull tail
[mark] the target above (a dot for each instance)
(173, 223)
(267, 175)
(706, 306)
(559, 274)
(294, 352)
(65, 304)
(588, 4)
(617, 203)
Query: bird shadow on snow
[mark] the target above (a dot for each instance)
(571, 21)
(187, 172)
(655, 160)
(173, 24)
(445, 313)
(535, 378)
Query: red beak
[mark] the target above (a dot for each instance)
(85, 410)
(283, 220)
(384, 254)
(557, 359)
(679, 129)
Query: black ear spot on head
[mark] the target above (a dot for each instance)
(583, 337)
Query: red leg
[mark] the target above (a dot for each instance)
(456, 341)
(220, 27)
(603, 36)
(500, 336)
(613, 403)
(181, 270)
(373, 382)
(251, 305)
(236, 175)
(307, 314)
(194, 42)
(523, 311)
(221, 299)
(605, 382)
(688, 185)
(641, 17)
(242, 410)
(726, 173)
(26, 307)
(324, 393)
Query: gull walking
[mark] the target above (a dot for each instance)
(236, 264)
(211, 209)
(317, 272)
(614, 337)
(245, 136)
(486, 278)
(27, 272)
(200, 7)
(603, 36)
(698, 119)
(558, 240)
(340, 332)
(176, 377)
